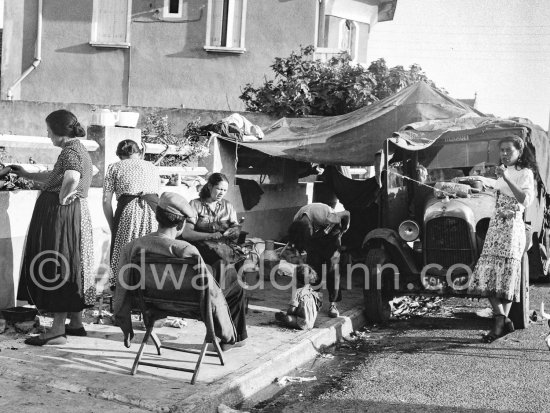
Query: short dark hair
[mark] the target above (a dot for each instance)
(126, 148)
(64, 123)
(169, 220)
(213, 180)
(299, 234)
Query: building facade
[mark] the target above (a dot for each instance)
(168, 53)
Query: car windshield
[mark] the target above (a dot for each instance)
(457, 159)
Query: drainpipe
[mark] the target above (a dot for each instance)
(37, 52)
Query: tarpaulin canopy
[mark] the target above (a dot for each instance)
(354, 138)
(420, 135)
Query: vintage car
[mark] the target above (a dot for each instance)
(435, 207)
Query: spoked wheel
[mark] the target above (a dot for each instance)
(377, 307)
(519, 312)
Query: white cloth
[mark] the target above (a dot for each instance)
(244, 124)
(523, 179)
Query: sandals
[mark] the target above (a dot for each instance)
(507, 328)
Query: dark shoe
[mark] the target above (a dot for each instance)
(226, 347)
(38, 341)
(75, 331)
(506, 326)
(509, 326)
(281, 317)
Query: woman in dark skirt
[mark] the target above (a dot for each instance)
(56, 275)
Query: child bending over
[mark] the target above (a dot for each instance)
(305, 303)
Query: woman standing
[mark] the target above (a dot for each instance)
(56, 274)
(136, 184)
(498, 270)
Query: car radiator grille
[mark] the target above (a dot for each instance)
(448, 242)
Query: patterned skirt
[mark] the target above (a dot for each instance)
(135, 219)
(498, 270)
(57, 270)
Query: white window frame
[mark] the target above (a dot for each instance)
(225, 49)
(95, 22)
(166, 10)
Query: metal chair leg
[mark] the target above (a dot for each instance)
(156, 342)
(141, 349)
(218, 350)
(199, 362)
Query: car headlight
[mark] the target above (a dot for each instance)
(409, 231)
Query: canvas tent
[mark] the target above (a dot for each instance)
(353, 138)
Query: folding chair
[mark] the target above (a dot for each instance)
(189, 298)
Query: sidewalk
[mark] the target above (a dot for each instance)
(98, 366)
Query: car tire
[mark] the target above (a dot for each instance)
(377, 307)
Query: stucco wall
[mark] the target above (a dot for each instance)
(27, 118)
(165, 66)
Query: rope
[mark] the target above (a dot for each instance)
(423, 184)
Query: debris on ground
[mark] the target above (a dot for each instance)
(222, 408)
(485, 313)
(175, 322)
(283, 381)
(326, 355)
(406, 307)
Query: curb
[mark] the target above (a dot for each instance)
(277, 363)
(241, 384)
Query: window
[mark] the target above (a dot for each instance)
(173, 9)
(348, 37)
(225, 26)
(111, 23)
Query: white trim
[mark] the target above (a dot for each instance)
(25, 141)
(221, 49)
(113, 45)
(166, 10)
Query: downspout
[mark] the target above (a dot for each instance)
(37, 52)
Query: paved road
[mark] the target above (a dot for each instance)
(435, 363)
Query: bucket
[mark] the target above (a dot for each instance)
(269, 259)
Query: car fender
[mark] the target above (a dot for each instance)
(400, 253)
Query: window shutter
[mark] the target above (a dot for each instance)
(110, 22)
(217, 19)
(237, 19)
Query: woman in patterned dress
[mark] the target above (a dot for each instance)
(136, 184)
(56, 274)
(498, 270)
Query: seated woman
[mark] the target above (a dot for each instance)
(214, 228)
